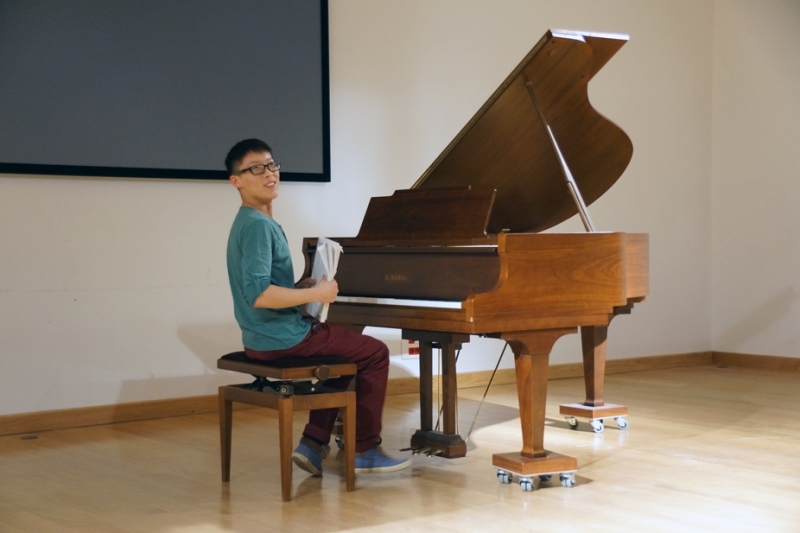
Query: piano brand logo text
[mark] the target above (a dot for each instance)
(395, 277)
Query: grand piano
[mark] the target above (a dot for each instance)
(470, 231)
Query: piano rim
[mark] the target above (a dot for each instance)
(452, 319)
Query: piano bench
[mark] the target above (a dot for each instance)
(287, 386)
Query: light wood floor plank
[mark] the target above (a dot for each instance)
(708, 449)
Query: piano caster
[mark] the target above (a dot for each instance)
(597, 424)
(526, 483)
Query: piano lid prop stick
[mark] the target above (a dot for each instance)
(573, 187)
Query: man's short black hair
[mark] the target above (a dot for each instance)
(241, 149)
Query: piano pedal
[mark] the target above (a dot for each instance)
(427, 451)
(416, 451)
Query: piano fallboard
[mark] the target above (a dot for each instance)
(449, 273)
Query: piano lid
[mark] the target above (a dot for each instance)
(505, 145)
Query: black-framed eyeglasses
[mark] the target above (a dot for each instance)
(257, 170)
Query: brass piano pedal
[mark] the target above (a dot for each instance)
(415, 451)
(427, 451)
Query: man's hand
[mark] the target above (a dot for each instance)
(326, 290)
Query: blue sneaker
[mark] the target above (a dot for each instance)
(309, 455)
(375, 462)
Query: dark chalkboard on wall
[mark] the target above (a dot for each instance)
(162, 89)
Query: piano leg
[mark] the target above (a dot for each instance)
(531, 360)
(593, 341)
(446, 443)
(449, 389)
(425, 386)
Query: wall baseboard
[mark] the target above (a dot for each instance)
(129, 412)
(108, 414)
(761, 362)
(506, 376)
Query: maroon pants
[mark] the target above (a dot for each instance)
(371, 358)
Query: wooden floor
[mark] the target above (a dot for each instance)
(708, 449)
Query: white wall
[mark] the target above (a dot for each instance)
(756, 177)
(114, 290)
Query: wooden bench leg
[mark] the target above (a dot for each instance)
(285, 416)
(285, 407)
(225, 430)
(350, 441)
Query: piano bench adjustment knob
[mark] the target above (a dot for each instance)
(322, 372)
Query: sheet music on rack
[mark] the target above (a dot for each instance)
(326, 260)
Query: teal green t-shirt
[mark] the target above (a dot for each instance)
(259, 256)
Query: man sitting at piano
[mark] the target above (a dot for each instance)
(267, 305)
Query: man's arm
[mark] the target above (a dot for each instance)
(276, 297)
